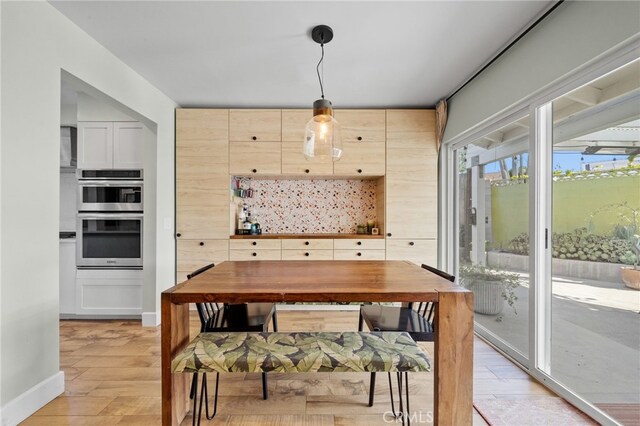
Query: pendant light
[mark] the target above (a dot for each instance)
(322, 140)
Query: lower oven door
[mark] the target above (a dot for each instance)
(109, 240)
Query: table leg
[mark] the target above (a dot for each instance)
(453, 399)
(175, 336)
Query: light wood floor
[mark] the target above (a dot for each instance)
(112, 372)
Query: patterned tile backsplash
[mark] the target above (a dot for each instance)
(319, 206)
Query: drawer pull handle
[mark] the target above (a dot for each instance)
(411, 243)
(254, 138)
(255, 243)
(359, 138)
(306, 254)
(254, 170)
(359, 254)
(307, 170)
(359, 243)
(306, 243)
(359, 170)
(388, 234)
(201, 243)
(178, 235)
(254, 254)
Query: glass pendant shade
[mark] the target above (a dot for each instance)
(322, 140)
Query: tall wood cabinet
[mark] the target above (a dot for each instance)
(411, 186)
(397, 147)
(202, 188)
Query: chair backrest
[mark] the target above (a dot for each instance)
(439, 272)
(426, 309)
(206, 310)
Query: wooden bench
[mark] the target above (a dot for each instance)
(297, 352)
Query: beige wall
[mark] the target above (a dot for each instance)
(37, 44)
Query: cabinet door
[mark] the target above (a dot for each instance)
(254, 158)
(95, 145)
(412, 174)
(293, 124)
(294, 162)
(258, 125)
(202, 174)
(128, 145)
(416, 251)
(194, 254)
(363, 143)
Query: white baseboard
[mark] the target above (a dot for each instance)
(32, 400)
(150, 319)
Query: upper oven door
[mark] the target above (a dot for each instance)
(97, 195)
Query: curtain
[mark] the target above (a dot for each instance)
(441, 121)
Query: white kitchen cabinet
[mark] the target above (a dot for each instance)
(68, 276)
(110, 145)
(109, 292)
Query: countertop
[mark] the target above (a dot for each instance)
(306, 236)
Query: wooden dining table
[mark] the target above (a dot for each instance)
(330, 281)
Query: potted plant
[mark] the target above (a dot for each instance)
(631, 274)
(491, 288)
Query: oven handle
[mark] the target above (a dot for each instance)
(110, 183)
(110, 215)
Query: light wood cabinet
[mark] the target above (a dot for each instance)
(194, 254)
(359, 254)
(418, 251)
(307, 254)
(255, 158)
(257, 254)
(110, 145)
(294, 162)
(307, 244)
(411, 175)
(363, 143)
(255, 244)
(356, 244)
(255, 125)
(293, 124)
(202, 187)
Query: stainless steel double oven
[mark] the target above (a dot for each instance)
(110, 219)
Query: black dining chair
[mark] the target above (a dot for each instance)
(229, 317)
(415, 319)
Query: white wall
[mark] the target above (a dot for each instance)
(37, 44)
(92, 109)
(575, 33)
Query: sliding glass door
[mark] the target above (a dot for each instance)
(595, 303)
(549, 243)
(493, 230)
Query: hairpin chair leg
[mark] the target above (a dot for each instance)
(372, 388)
(194, 386)
(215, 401)
(393, 408)
(406, 387)
(401, 408)
(264, 386)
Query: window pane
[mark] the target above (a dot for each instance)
(493, 256)
(595, 338)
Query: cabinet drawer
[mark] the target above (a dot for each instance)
(355, 244)
(418, 251)
(194, 254)
(294, 162)
(358, 254)
(254, 244)
(249, 158)
(307, 254)
(366, 158)
(310, 244)
(255, 125)
(362, 125)
(258, 254)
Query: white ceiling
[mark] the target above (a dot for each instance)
(260, 54)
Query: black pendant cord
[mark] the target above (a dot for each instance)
(318, 70)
